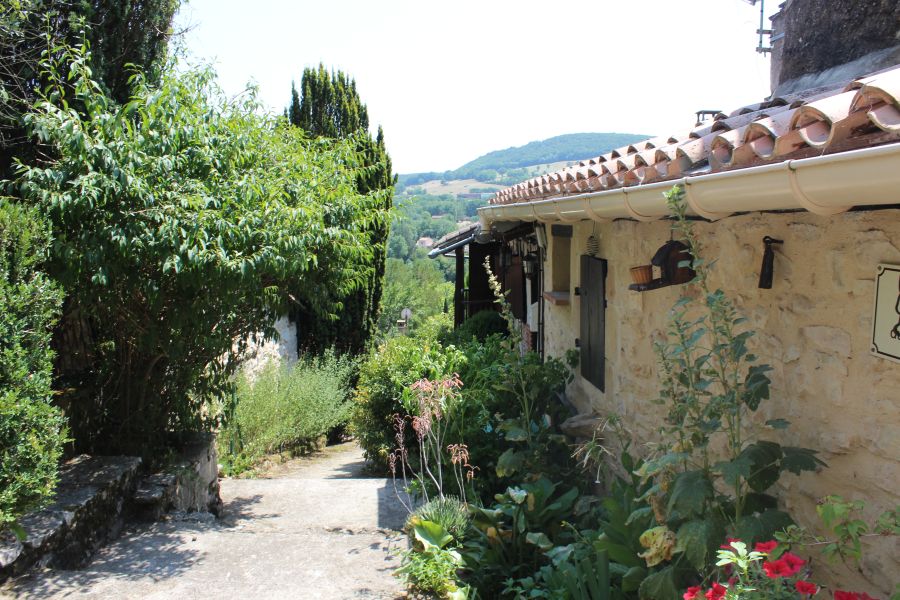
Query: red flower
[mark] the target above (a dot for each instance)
(805, 587)
(692, 592)
(842, 595)
(716, 592)
(727, 544)
(779, 568)
(766, 547)
(794, 563)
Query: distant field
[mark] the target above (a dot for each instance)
(455, 186)
(464, 186)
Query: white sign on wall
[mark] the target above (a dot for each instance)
(886, 321)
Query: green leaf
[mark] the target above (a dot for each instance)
(617, 552)
(734, 470)
(432, 535)
(659, 586)
(761, 527)
(796, 460)
(510, 462)
(690, 492)
(765, 458)
(540, 540)
(756, 386)
(699, 540)
(513, 430)
(633, 578)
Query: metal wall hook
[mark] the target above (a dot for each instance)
(768, 263)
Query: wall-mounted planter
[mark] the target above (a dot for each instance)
(669, 258)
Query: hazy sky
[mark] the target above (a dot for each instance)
(450, 81)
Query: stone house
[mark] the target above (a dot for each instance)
(816, 168)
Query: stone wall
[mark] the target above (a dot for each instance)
(282, 349)
(814, 328)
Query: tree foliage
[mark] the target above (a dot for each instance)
(329, 106)
(31, 430)
(183, 221)
(124, 35)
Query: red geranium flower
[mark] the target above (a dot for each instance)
(805, 587)
(716, 592)
(727, 544)
(692, 592)
(842, 595)
(766, 547)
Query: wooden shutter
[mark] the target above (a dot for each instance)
(593, 321)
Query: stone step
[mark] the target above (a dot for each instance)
(88, 510)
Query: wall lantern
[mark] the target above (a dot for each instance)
(529, 263)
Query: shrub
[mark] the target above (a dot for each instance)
(31, 430)
(286, 407)
(480, 326)
(383, 377)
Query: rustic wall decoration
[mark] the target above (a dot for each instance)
(886, 320)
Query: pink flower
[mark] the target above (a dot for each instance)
(716, 592)
(805, 587)
(692, 592)
(766, 547)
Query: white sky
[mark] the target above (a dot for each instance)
(450, 81)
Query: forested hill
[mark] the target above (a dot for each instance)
(497, 166)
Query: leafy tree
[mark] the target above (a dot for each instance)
(329, 106)
(183, 221)
(418, 285)
(121, 33)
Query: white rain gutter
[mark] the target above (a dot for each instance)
(824, 185)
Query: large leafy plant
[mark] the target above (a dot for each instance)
(185, 222)
(712, 477)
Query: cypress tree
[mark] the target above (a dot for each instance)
(329, 106)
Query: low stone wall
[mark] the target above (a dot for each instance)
(190, 485)
(88, 511)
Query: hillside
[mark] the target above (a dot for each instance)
(507, 167)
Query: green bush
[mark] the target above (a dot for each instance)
(480, 326)
(286, 407)
(31, 430)
(383, 377)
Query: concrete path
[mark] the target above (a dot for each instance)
(316, 528)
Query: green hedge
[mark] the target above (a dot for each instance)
(31, 430)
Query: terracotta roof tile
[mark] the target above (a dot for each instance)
(820, 120)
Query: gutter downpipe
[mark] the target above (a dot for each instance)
(824, 185)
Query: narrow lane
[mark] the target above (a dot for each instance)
(315, 528)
